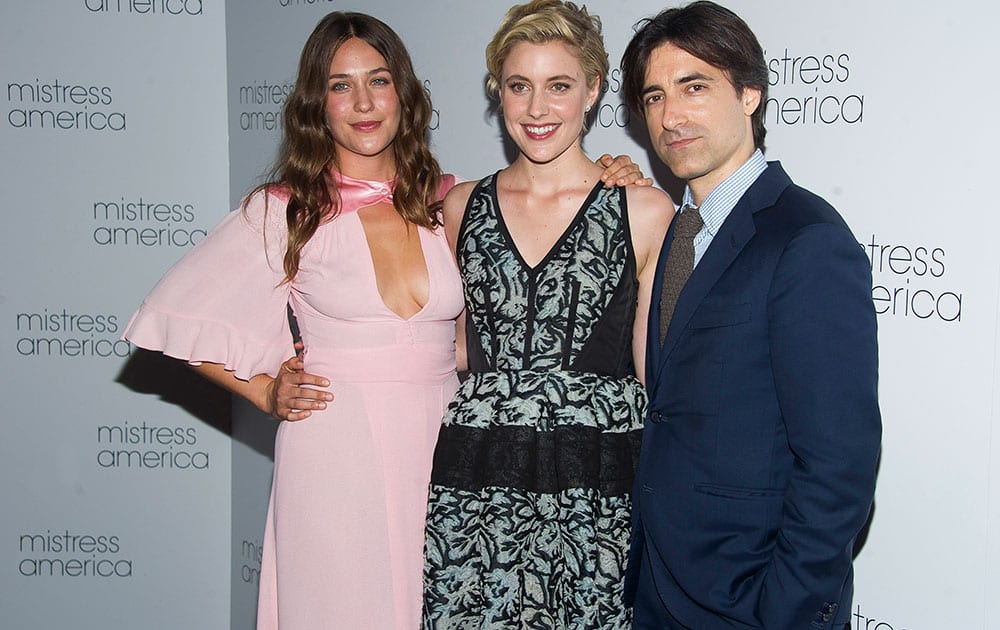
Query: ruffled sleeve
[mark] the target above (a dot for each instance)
(224, 301)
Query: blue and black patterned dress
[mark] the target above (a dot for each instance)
(529, 514)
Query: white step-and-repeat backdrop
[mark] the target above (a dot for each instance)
(130, 127)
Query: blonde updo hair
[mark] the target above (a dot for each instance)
(543, 21)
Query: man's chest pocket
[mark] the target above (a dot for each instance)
(711, 315)
(698, 365)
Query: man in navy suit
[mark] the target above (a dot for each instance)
(763, 433)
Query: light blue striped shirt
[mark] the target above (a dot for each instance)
(721, 201)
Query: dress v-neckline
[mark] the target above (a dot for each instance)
(557, 245)
(374, 274)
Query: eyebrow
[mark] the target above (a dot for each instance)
(651, 88)
(560, 77)
(694, 76)
(370, 73)
(688, 78)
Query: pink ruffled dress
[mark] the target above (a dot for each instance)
(343, 543)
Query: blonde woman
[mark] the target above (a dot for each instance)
(529, 510)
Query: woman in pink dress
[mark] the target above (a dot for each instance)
(347, 232)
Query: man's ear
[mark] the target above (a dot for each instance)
(750, 100)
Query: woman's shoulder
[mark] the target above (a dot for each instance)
(648, 196)
(462, 188)
(458, 196)
(648, 204)
(266, 195)
(650, 211)
(265, 207)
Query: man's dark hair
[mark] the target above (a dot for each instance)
(711, 33)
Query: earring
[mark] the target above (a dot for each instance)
(587, 111)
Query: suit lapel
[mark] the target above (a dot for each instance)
(733, 235)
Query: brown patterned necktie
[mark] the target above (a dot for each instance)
(680, 263)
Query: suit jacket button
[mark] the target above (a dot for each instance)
(655, 417)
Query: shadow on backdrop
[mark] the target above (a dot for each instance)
(170, 379)
(175, 383)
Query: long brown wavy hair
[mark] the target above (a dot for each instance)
(308, 148)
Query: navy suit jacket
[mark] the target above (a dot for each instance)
(760, 446)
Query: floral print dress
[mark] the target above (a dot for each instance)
(529, 515)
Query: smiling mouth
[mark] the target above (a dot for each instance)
(539, 132)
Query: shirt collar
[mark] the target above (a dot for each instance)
(721, 201)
